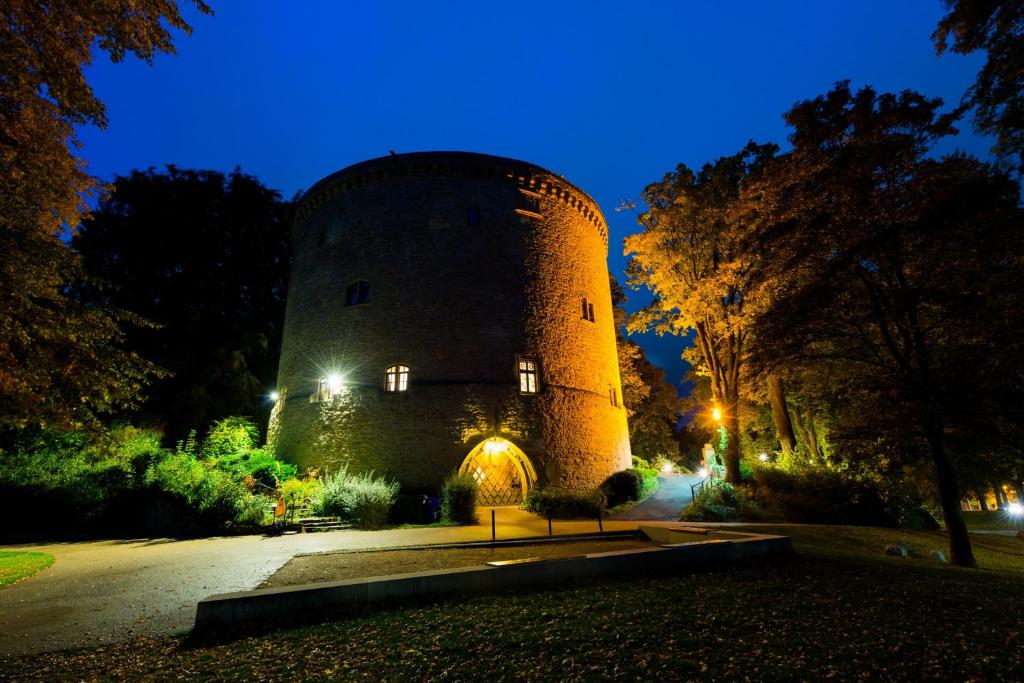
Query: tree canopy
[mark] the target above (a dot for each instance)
(996, 27)
(61, 360)
(204, 256)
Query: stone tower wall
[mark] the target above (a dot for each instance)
(458, 304)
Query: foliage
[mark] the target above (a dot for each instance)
(720, 501)
(297, 492)
(997, 28)
(458, 499)
(122, 481)
(15, 565)
(62, 360)
(205, 255)
(554, 503)
(652, 405)
(688, 255)
(820, 496)
(908, 301)
(361, 499)
(215, 495)
(230, 437)
(254, 511)
(622, 486)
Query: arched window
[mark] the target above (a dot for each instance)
(357, 293)
(396, 378)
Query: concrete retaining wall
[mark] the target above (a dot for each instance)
(310, 602)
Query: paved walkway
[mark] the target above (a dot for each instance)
(108, 591)
(668, 501)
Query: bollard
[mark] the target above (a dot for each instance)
(549, 526)
(493, 532)
(600, 526)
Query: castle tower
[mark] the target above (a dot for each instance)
(451, 310)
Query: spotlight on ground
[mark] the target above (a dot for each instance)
(1015, 509)
(666, 468)
(763, 457)
(703, 472)
(274, 396)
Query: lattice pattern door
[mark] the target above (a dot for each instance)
(498, 478)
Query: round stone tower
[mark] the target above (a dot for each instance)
(449, 311)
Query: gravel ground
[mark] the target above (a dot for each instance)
(338, 566)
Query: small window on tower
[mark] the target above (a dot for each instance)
(357, 293)
(396, 378)
(590, 312)
(613, 396)
(473, 215)
(585, 309)
(528, 380)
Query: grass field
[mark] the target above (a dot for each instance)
(838, 609)
(993, 521)
(15, 565)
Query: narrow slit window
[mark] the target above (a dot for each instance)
(585, 310)
(396, 378)
(590, 312)
(612, 396)
(527, 376)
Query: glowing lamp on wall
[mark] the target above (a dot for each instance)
(494, 446)
(716, 414)
(763, 457)
(275, 396)
(335, 382)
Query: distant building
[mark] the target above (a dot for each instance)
(447, 311)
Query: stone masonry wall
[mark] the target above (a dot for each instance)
(458, 304)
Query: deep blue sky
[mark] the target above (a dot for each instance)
(610, 94)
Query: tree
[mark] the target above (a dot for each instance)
(205, 256)
(652, 404)
(61, 360)
(897, 271)
(686, 255)
(997, 27)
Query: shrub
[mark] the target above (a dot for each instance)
(261, 465)
(622, 487)
(253, 511)
(554, 503)
(299, 492)
(230, 436)
(206, 497)
(458, 499)
(820, 496)
(361, 499)
(722, 502)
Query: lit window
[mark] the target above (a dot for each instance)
(473, 215)
(527, 376)
(327, 388)
(396, 378)
(357, 293)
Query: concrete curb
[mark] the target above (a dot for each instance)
(293, 605)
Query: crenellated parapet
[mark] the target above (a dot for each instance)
(532, 179)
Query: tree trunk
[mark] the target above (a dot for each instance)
(804, 424)
(780, 413)
(731, 421)
(960, 552)
(1001, 501)
(980, 495)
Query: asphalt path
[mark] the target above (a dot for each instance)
(673, 494)
(109, 591)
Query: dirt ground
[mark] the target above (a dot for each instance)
(348, 565)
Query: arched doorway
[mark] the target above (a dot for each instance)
(501, 470)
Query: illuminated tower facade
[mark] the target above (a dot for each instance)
(448, 311)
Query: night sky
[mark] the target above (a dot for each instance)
(609, 94)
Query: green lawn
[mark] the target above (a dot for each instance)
(993, 521)
(839, 609)
(15, 565)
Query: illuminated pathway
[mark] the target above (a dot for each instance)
(108, 591)
(667, 502)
